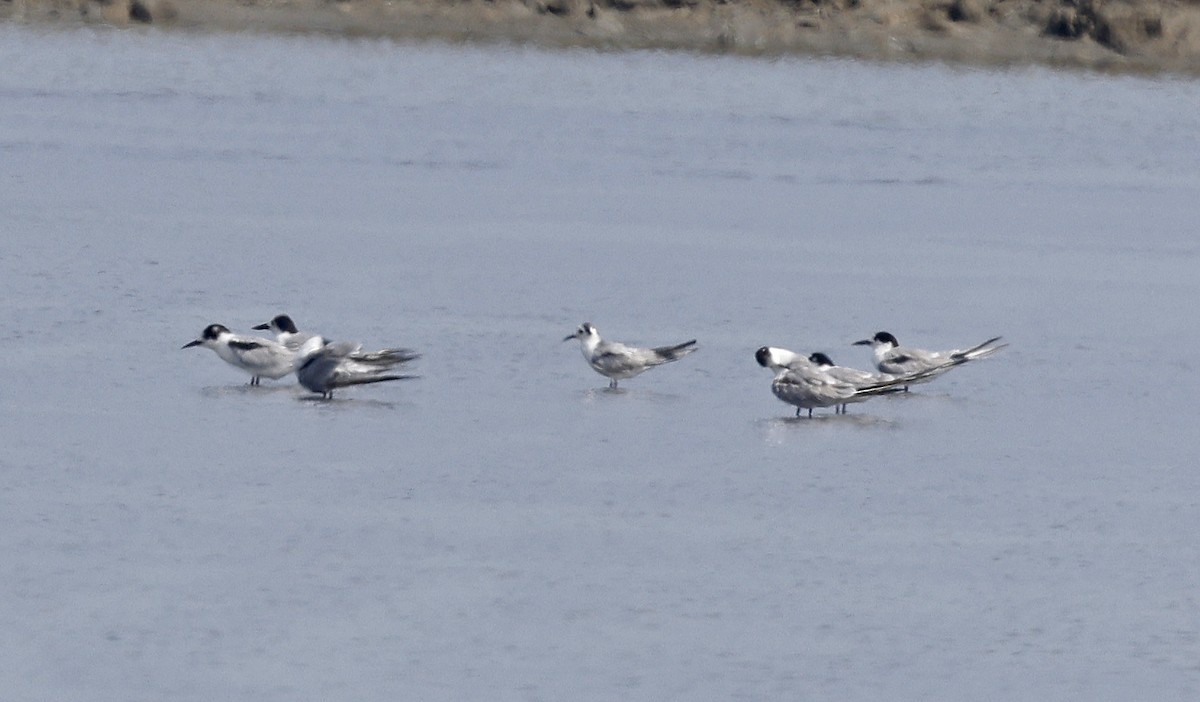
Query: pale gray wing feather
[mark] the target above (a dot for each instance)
(855, 376)
(806, 388)
(338, 349)
(905, 361)
(385, 357)
(613, 358)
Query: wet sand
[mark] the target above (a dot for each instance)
(1144, 36)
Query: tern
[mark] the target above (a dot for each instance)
(800, 382)
(616, 361)
(920, 365)
(285, 331)
(323, 367)
(261, 358)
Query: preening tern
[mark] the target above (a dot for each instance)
(324, 367)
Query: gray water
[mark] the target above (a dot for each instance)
(504, 528)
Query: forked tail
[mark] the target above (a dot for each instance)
(372, 379)
(386, 357)
(887, 386)
(981, 351)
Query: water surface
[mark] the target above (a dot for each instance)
(506, 529)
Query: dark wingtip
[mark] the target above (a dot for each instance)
(672, 353)
(375, 379)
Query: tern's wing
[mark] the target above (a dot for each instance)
(351, 373)
(810, 386)
(615, 357)
(611, 363)
(260, 353)
(338, 349)
(900, 361)
(385, 357)
(855, 376)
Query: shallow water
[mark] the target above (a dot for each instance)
(504, 527)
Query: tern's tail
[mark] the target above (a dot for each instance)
(364, 380)
(674, 353)
(386, 357)
(981, 351)
(886, 386)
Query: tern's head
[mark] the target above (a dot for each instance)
(209, 336)
(821, 360)
(585, 331)
(882, 339)
(279, 324)
(775, 358)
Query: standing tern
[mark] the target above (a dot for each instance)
(894, 359)
(285, 331)
(800, 382)
(258, 357)
(616, 361)
(323, 367)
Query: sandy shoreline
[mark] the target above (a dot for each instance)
(1142, 36)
